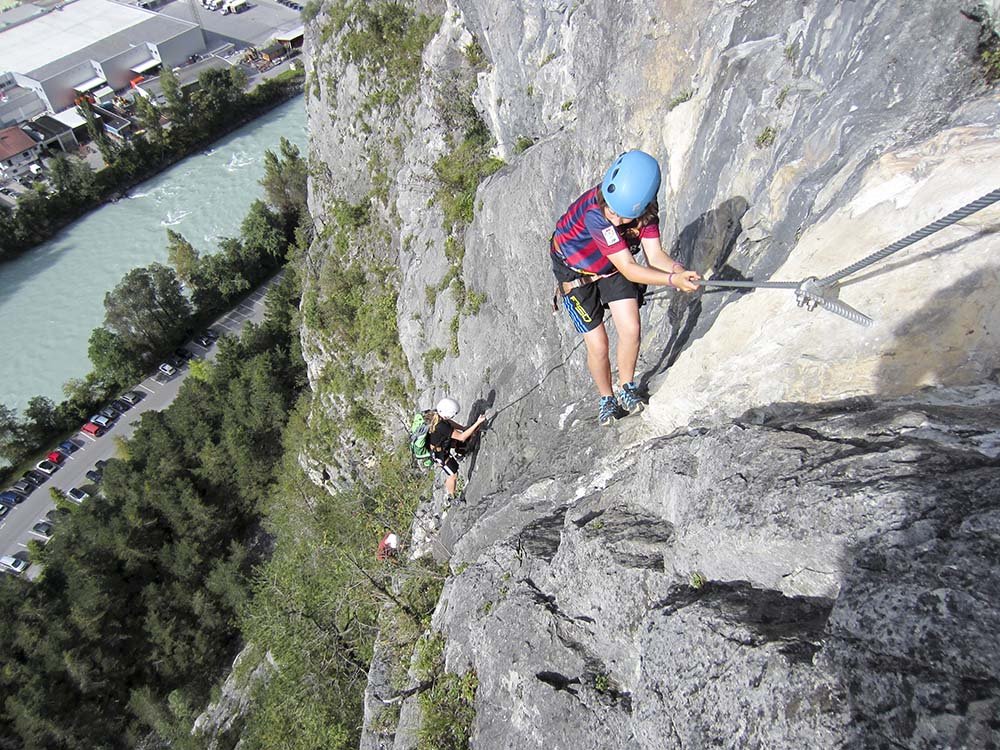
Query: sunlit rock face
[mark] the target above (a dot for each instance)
(794, 545)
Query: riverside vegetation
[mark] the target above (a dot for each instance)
(147, 315)
(220, 104)
(137, 608)
(209, 535)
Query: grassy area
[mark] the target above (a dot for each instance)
(447, 707)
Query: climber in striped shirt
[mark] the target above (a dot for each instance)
(592, 253)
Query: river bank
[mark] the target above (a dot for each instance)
(51, 298)
(41, 217)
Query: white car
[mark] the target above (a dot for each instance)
(101, 420)
(77, 495)
(15, 564)
(46, 467)
(167, 370)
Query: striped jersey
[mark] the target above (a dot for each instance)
(584, 238)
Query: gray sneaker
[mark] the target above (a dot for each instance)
(628, 398)
(608, 411)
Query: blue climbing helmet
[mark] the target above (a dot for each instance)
(631, 183)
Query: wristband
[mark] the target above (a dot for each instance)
(676, 266)
(670, 279)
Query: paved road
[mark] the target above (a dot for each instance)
(15, 528)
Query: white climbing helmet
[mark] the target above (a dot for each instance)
(448, 408)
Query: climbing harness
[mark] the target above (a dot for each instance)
(813, 292)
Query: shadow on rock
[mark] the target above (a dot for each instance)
(704, 245)
(913, 634)
(948, 341)
(479, 407)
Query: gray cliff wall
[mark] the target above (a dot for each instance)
(850, 597)
(846, 546)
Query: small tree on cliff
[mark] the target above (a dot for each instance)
(284, 182)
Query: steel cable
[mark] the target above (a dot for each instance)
(977, 205)
(750, 284)
(812, 288)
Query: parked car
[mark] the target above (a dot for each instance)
(77, 495)
(110, 412)
(121, 406)
(23, 486)
(47, 467)
(43, 529)
(15, 564)
(68, 446)
(211, 334)
(99, 465)
(95, 476)
(10, 498)
(56, 457)
(182, 353)
(92, 428)
(35, 477)
(133, 397)
(4, 510)
(101, 420)
(203, 341)
(167, 369)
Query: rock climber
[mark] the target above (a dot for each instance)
(592, 252)
(449, 441)
(388, 547)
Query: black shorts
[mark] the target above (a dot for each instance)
(448, 463)
(586, 304)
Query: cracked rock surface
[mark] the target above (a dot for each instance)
(818, 576)
(786, 550)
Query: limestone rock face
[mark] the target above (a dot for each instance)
(804, 576)
(794, 546)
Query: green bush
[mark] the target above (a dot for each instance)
(453, 328)
(432, 358)
(680, 99)
(385, 39)
(766, 137)
(991, 63)
(447, 712)
(474, 301)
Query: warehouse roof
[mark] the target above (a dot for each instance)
(80, 30)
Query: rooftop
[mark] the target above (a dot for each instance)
(79, 30)
(187, 75)
(13, 141)
(48, 126)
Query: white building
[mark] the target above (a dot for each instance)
(89, 47)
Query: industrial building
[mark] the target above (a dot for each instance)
(51, 56)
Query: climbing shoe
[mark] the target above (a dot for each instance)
(608, 411)
(628, 398)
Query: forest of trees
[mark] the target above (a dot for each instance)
(135, 612)
(218, 105)
(137, 609)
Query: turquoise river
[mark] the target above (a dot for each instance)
(53, 296)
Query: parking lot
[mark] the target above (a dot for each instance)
(255, 26)
(159, 389)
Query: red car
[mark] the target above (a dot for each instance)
(92, 429)
(56, 457)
